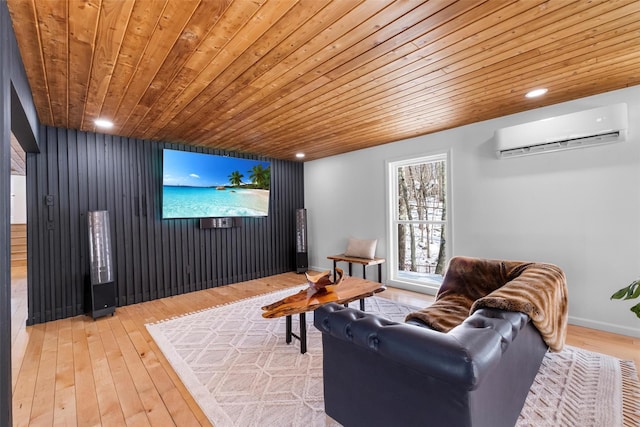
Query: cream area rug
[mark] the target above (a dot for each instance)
(241, 372)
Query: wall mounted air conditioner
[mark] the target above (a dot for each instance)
(587, 128)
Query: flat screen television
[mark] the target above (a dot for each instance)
(198, 185)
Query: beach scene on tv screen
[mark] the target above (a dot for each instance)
(197, 185)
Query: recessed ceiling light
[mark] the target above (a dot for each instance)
(536, 92)
(300, 155)
(102, 123)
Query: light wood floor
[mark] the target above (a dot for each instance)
(110, 372)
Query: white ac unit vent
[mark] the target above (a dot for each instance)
(603, 125)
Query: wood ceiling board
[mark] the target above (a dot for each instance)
(326, 77)
(303, 72)
(189, 41)
(53, 24)
(271, 104)
(18, 158)
(108, 40)
(83, 26)
(249, 65)
(470, 109)
(205, 65)
(298, 95)
(316, 96)
(490, 89)
(497, 73)
(164, 34)
(28, 34)
(148, 123)
(238, 55)
(145, 17)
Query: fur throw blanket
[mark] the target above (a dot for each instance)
(536, 289)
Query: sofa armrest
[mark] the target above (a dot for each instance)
(462, 356)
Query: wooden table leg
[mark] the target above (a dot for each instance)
(334, 271)
(361, 304)
(303, 333)
(379, 273)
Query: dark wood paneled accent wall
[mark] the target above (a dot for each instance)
(77, 172)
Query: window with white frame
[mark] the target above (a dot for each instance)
(419, 226)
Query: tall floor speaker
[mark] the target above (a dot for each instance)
(102, 287)
(302, 258)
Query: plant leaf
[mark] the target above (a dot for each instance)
(621, 293)
(634, 293)
(636, 310)
(628, 292)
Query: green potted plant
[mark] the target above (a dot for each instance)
(630, 292)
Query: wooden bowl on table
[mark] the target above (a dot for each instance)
(319, 282)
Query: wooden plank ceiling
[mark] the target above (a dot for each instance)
(276, 77)
(18, 158)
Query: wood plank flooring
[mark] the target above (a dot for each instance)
(81, 372)
(18, 245)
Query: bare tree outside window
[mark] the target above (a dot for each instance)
(421, 218)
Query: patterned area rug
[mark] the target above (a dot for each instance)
(241, 372)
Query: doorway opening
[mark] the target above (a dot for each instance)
(19, 294)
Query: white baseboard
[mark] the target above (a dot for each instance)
(319, 269)
(604, 326)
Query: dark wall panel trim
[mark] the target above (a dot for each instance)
(17, 115)
(5, 227)
(77, 172)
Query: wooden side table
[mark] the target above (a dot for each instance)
(365, 262)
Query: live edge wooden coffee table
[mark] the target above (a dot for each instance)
(351, 289)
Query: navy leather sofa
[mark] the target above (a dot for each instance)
(383, 373)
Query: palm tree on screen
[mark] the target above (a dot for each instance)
(235, 178)
(260, 176)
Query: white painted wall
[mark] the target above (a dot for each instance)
(18, 199)
(578, 209)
